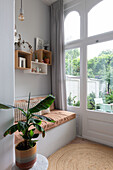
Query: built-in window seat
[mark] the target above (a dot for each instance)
(58, 134)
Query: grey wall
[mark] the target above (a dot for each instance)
(36, 24)
(6, 80)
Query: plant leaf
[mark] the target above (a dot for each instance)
(3, 106)
(25, 136)
(34, 120)
(31, 133)
(11, 130)
(33, 129)
(35, 135)
(43, 134)
(22, 126)
(35, 141)
(44, 118)
(29, 101)
(40, 129)
(31, 143)
(23, 112)
(44, 104)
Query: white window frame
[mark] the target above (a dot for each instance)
(83, 7)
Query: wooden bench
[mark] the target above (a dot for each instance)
(58, 134)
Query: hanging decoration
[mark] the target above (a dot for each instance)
(21, 16)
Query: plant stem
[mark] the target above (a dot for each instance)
(26, 141)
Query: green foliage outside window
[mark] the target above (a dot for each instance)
(99, 67)
(72, 100)
(72, 62)
(91, 102)
(109, 98)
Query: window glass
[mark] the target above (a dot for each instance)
(100, 18)
(72, 63)
(72, 26)
(100, 77)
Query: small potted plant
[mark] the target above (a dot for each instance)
(46, 59)
(26, 149)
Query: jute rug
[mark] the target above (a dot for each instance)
(82, 156)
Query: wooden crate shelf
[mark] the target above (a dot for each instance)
(41, 54)
(23, 54)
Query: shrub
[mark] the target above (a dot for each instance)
(109, 98)
(69, 99)
(90, 101)
(77, 103)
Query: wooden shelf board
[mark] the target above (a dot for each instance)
(46, 51)
(21, 68)
(38, 63)
(24, 52)
(36, 73)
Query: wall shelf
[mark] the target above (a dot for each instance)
(21, 68)
(37, 66)
(44, 53)
(32, 67)
(27, 56)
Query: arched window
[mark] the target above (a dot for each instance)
(100, 18)
(72, 59)
(72, 26)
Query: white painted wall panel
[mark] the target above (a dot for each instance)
(105, 128)
(36, 24)
(56, 138)
(98, 127)
(6, 80)
(99, 137)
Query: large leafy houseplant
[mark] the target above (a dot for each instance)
(33, 121)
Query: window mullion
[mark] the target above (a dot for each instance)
(83, 88)
(100, 38)
(74, 44)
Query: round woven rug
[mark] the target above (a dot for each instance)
(82, 156)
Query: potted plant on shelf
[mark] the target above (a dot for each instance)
(26, 149)
(46, 59)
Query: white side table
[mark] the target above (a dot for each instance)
(40, 164)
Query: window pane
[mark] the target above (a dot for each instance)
(100, 18)
(100, 77)
(72, 62)
(72, 26)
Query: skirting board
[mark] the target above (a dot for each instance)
(56, 138)
(98, 140)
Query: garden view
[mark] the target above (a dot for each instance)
(100, 68)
